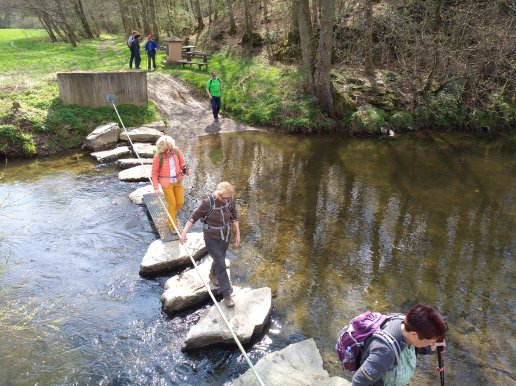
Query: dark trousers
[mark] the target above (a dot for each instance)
(149, 58)
(137, 59)
(217, 250)
(131, 60)
(215, 106)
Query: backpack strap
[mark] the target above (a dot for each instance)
(226, 227)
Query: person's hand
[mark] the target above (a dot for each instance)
(182, 237)
(442, 344)
(237, 240)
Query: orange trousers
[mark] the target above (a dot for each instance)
(175, 197)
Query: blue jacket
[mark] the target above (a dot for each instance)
(151, 46)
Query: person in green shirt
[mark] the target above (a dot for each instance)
(214, 90)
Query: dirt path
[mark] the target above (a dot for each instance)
(189, 114)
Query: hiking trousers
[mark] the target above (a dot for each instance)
(217, 250)
(149, 58)
(215, 106)
(175, 197)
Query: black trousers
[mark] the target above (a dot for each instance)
(217, 250)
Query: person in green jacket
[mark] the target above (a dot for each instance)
(214, 90)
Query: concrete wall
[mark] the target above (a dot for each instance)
(90, 88)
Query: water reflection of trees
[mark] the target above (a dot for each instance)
(343, 226)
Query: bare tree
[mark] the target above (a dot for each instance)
(306, 40)
(232, 24)
(79, 10)
(323, 59)
(368, 12)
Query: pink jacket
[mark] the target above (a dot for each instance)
(162, 175)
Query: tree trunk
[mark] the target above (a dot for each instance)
(123, 15)
(67, 28)
(48, 28)
(315, 13)
(323, 59)
(248, 18)
(154, 20)
(369, 66)
(79, 10)
(233, 27)
(200, 22)
(144, 12)
(293, 34)
(306, 40)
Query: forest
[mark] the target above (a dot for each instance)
(441, 64)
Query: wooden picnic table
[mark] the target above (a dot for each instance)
(187, 48)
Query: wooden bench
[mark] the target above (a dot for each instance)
(200, 64)
(196, 55)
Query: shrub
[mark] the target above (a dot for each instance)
(12, 139)
(367, 119)
(400, 120)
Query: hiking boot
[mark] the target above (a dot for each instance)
(228, 301)
(213, 279)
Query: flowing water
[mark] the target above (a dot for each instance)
(333, 226)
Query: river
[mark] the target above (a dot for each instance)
(334, 226)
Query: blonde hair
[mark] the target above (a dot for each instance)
(165, 143)
(224, 187)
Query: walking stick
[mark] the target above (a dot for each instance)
(440, 363)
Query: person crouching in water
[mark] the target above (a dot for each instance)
(218, 212)
(168, 170)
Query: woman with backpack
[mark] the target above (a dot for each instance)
(218, 213)
(168, 170)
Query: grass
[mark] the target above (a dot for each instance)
(28, 68)
(258, 94)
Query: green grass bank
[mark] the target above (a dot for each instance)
(33, 121)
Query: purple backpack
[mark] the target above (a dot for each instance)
(353, 336)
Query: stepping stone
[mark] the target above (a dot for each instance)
(185, 290)
(127, 163)
(136, 174)
(137, 195)
(141, 134)
(103, 136)
(144, 150)
(295, 365)
(111, 155)
(248, 317)
(164, 256)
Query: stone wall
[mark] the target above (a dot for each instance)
(85, 88)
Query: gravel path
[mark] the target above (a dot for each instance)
(188, 113)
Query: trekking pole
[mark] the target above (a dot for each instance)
(440, 363)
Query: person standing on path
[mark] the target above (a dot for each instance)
(135, 52)
(151, 47)
(168, 170)
(129, 43)
(214, 90)
(218, 212)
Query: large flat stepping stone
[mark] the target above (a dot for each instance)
(136, 174)
(185, 290)
(103, 136)
(137, 195)
(298, 364)
(248, 317)
(163, 256)
(127, 163)
(141, 134)
(111, 155)
(144, 150)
